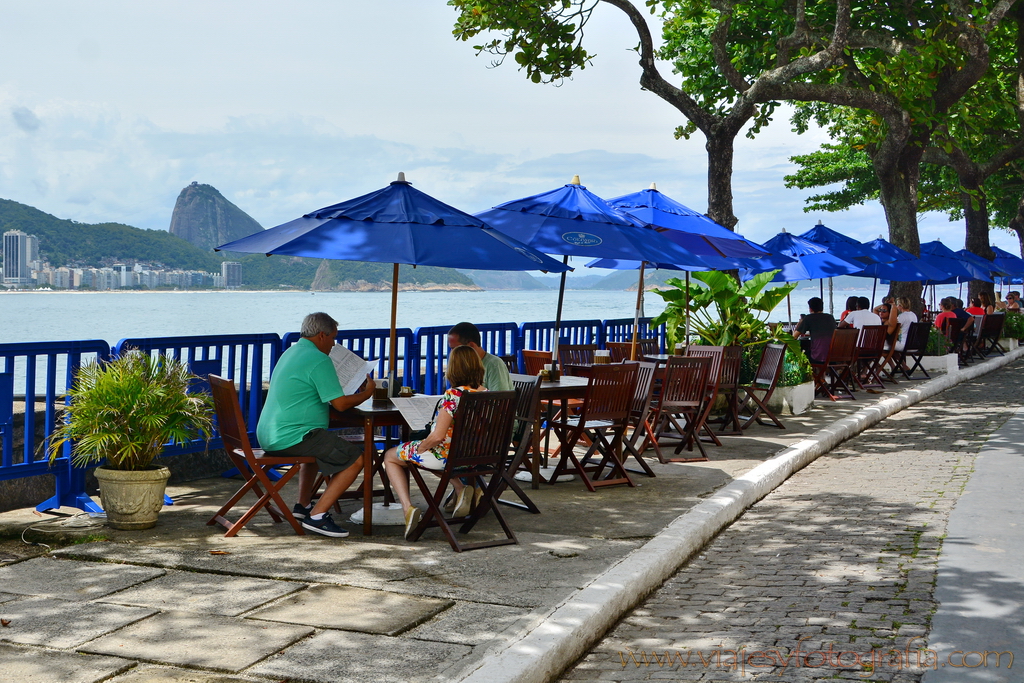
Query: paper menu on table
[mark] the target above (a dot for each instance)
(417, 411)
(351, 369)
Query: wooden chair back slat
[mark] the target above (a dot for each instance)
(230, 422)
(576, 354)
(871, 340)
(534, 361)
(620, 351)
(610, 393)
(483, 429)
(843, 348)
(916, 338)
(769, 369)
(686, 381)
(527, 388)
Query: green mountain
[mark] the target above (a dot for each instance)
(374, 277)
(64, 242)
(504, 280)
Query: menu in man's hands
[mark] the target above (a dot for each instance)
(417, 411)
(351, 369)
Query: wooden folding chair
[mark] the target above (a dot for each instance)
(988, 335)
(639, 418)
(478, 451)
(620, 351)
(716, 354)
(570, 355)
(766, 379)
(914, 347)
(835, 373)
(251, 463)
(870, 349)
(525, 438)
(957, 331)
(605, 412)
(534, 361)
(511, 362)
(684, 393)
(729, 388)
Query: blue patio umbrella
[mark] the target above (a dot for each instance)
(397, 224)
(899, 265)
(978, 264)
(839, 244)
(810, 262)
(1009, 263)
(572, 221)
(937, 254)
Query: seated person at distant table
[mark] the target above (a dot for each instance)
(294, 421)
(1013, 301)
(862, 316)
(946, 305)
(818, 326)
(496, 375)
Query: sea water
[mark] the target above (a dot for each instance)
(111, 316)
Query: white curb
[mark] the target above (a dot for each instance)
(572, 627)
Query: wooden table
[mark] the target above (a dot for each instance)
(369, 415)
(565, 388)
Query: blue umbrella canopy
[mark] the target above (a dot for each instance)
(1010, 264)
(811, 261)
(977, 263)
(575, 222)
(838, 244)
(937, 254)
(397, 224)
(899, 265)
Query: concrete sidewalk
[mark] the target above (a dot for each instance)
(182, 603)
(833, 575)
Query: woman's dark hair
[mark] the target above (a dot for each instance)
(984, 300)
(851, 303)
(464, 368)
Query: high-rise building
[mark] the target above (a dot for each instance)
(20, 250)
(231, 273)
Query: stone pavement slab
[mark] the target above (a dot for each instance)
(980, 586)
(471, 623)
(345, 657)
(148, 673)
(207, 593)
(199, 640)
(63, 623)
(353, 609)
(34, 665)
(70, 580)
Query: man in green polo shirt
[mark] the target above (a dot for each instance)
(496, 375)
(294, 421)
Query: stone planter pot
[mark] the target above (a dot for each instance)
(792, 400)
(132, 499)
(948, 363)
(1008, 344)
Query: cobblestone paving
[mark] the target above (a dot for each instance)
(840, 562)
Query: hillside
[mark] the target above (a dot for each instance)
(64, 242)
(349, 276)
(499, 280)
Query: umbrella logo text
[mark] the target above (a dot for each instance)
(581, 239)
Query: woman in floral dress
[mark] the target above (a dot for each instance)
(464, 373)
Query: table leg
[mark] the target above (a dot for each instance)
(368, 453)
(535, 460)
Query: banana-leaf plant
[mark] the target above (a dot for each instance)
(725, 312)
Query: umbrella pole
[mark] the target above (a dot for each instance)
(874, 283)
(393, 342)
(831, 302)
(639, 305)
(558, 316)
(686, 333)
(821, 288)
(789, 310)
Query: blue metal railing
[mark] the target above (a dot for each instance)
(621, 330)
(53, 365)
(39, 373)
(538, 335)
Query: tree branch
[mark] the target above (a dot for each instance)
(651, 78)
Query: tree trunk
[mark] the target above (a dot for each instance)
(899, 199)
(976, 217)
(720, 153)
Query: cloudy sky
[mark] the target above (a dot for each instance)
(108, 109)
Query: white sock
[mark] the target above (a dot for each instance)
(317, 518)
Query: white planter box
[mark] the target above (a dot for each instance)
(947, 363)
(1008, 344)
(792, 400)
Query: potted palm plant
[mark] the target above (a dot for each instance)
(120, 414)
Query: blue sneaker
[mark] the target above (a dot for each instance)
(301, 512)
(324, 526)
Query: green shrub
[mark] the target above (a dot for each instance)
(1013, 326)
(938, 345)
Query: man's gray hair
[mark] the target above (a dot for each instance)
(315, 323)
